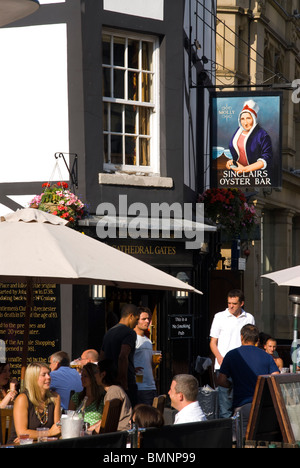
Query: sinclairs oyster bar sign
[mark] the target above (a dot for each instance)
(246, 140)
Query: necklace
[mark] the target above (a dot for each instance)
(42, 415)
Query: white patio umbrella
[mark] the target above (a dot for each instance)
(286, 277)
(290, 277)
(36, 247)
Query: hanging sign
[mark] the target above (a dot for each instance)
(246, 140)
(181, 326)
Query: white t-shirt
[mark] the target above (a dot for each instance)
(143, 358)
(191, 413)
(227, 329)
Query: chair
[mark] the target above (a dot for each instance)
(6, 419)
(159, 403)
(111, 416)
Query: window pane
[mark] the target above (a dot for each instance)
(144, 152)
(119, 76)
(133, 86)
(106, 50)
(128, 81)
(119, 51)
(130, 151)
(146, 87)
(116, 149)
(105, 149)
(133, 54)
(116, 118)
(106, 82)
(130, 119)
(144, 120)
(105, 116)
(147, 52)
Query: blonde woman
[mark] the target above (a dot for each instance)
(37, 406)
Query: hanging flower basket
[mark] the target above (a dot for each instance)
(59, 201)
(229, 209)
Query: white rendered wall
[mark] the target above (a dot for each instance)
(153, 9)
(34, 101)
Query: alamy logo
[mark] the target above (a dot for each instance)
(165, 221)
(296, 93)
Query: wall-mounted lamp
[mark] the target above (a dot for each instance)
(98, 293)
(182, 296)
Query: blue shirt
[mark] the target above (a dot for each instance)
(63, 381)
(244, 365)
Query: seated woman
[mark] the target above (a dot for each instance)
(37, 406)
(8, 391)
(94, 405)
(147, 416)
(107, 378)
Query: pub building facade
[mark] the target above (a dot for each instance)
(127, 98)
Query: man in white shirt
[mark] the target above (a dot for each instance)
(225, 335)
(183, 394)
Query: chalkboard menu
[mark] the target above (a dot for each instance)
(275, 411)
(44, 331)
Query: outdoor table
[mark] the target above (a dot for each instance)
(111, 440)
(205, 434)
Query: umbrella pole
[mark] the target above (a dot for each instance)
(295, 343)
(29, 304)
(294, 297)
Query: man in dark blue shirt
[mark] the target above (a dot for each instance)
(243, 365)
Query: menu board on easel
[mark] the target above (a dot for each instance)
(275, 412)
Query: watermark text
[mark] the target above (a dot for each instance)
(162, 220)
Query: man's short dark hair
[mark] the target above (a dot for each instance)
(237, 293)
(129, 309)
(144, 310)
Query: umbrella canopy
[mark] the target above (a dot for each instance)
(286, 277)
(37, 247)
(289, 277)
(13, 10)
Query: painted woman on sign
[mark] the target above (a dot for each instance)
(250, 146)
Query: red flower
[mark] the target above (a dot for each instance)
(229, 209)
(63, 185)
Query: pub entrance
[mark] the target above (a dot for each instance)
(171, 330)
(180, 322)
